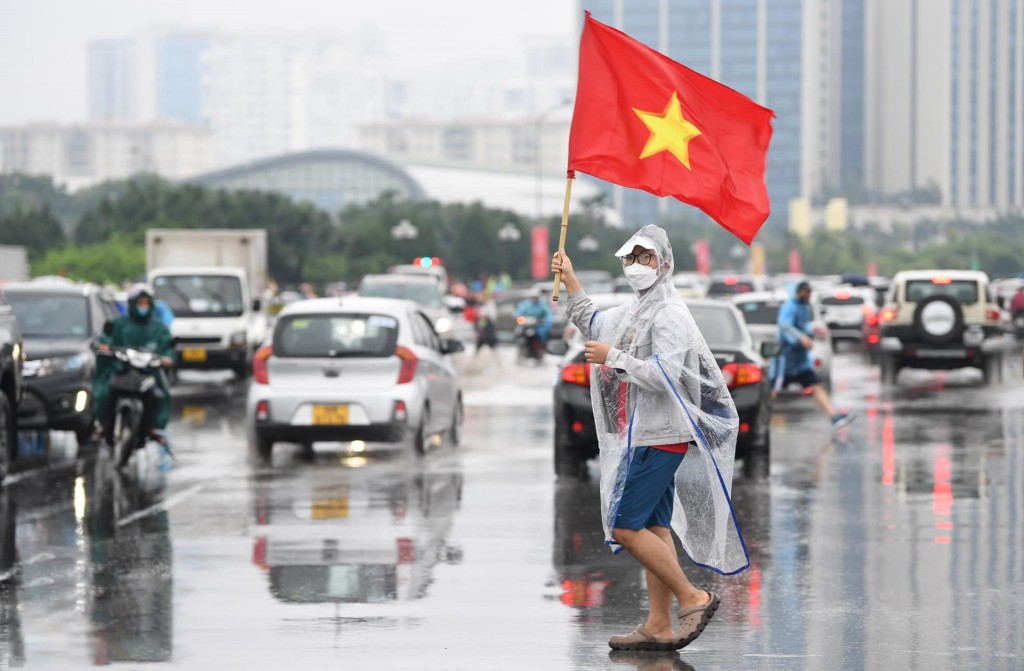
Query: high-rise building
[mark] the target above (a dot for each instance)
(781, 54)
(179, 75)
(112, 80)
(945, 81)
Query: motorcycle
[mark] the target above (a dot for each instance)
(528, 342)
(133, 396)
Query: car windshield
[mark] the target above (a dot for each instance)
(759, 312)
(426, 294)
(348, 335)
(41, 316)
(965, 291)
(718, 326)
(200, 295)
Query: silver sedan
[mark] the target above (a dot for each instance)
(354, 369)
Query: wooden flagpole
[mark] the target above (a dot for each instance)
(565, 228)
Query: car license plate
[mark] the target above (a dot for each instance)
(193, 413)
(327, 509)
(193, 355)
(942, 353)
(330, 415)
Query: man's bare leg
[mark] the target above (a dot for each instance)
(664, 574)
(821, 396)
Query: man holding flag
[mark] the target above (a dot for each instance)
(667, 424)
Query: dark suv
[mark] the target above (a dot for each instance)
(12, 355)
(60, 323)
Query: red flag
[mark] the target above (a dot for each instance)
(642, 120)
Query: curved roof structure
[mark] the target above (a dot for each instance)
(331, 179)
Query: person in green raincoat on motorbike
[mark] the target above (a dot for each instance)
(140, 328)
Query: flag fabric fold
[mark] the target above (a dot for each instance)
(644, 121)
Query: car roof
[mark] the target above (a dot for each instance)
(348, 304)
(929, 274)
(51, 288)
(760, 296)
(400, 278)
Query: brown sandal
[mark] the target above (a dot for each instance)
(641, 639)
(692, 621)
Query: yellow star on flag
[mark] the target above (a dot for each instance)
(669, 132)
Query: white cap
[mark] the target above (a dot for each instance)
(641, 240)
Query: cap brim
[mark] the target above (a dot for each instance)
(641, 240)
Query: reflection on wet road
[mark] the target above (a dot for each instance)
(896, 544)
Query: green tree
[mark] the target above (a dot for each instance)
(111, 261)
(36, 229)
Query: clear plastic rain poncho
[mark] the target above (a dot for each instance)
(664, 387)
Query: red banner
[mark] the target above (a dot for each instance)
(540, 256)
(872, 269)
(795, 262)
(702, 256)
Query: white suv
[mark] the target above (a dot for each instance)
(942, 320)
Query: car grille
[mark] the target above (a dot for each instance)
(198, 340)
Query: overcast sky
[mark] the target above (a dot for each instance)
(42, 42)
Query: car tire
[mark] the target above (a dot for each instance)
(8, 436)
(568, 463)
(954, 334)
(421, 437)
(992, 369)
(83, 437)
(458, 417)
(264, 448)
(757, 464)
(888, 370)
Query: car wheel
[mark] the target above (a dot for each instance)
(8, 436)
(992, 369)
(455, 432)
(757, 463)
(568, 463)
(889, 371)
(264, 448)
(421, 439)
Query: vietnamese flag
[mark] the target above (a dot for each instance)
(642, 120)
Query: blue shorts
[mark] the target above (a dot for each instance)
(807, 379)
(650, 490)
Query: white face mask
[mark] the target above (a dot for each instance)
(639, 276)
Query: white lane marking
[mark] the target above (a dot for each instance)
(754, 654)
(164, 505)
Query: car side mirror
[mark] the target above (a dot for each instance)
(108, 327)
(557, 346)
(452, 346)
(770, 348)
(257, 305)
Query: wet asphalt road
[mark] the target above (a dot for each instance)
(896, 544)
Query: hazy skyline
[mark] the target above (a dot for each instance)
(43, 43)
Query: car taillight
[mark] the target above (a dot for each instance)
(871, 319)
(408, 369)
(888, 314)
(820, 332)
(259, 364)
(577, 373)
(993, 315)
(262, 411)
(401, 413)
(741, 374)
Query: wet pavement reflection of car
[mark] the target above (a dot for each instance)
(354, 535)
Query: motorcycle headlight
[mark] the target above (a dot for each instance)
(239, 338)
(52, 365)
(443, 324)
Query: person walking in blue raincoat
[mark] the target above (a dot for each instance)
(795, 362)
(666, 426)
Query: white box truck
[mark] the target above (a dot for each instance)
(213, 280)
(13, 263)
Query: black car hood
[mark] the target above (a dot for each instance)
(44, 348)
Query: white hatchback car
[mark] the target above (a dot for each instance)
(354, 369)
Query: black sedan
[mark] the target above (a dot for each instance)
(60, 323)
(744, 368)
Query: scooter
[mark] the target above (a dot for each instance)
(528, 342)
(133, 391)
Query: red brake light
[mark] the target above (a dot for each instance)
(577, 373)
(730, 281)
(821, 332)
(741, 374)
(843, 295)
(871, 319)
(408, 369)
(259, 364)
(993, 315)
(888, 315)
(942, 280)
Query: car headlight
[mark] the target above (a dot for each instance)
(443, 324)
(238, 339)
(56, 364)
